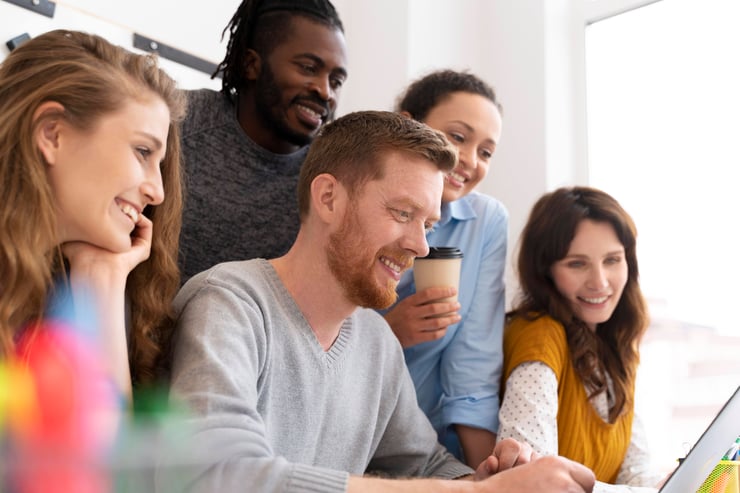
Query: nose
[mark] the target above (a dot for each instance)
(321, 85)
(152, 187)
(597, 279)
(467, 156)
(415, 242)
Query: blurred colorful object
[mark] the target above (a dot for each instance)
(64, 427)
(61, 412)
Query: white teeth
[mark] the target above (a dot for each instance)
(457, 177)
(310, 111)
(391, 265)
(595, 301)
(131, 212)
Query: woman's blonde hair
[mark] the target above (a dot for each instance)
(90, 78)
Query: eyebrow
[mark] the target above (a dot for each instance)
(320, 61)
(581, 255)
(157, 142)
(409, 202)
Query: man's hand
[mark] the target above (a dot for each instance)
(551, 474)
(421, 317)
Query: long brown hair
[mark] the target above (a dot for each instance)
(90, 78)
(546, 238)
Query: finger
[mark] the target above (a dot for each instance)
(437, 323)
(430, 335)
(511, 453)
(582, 475)
(439, 309)
(436, 293)
(490, 465)
(142, 234)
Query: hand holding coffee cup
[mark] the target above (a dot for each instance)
(440, 268)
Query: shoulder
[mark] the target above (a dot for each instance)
(541, 339)
(206, 108)
(202, 99)
(245, 280)
(487, 206)
(543, 326)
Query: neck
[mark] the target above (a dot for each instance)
(307, 277)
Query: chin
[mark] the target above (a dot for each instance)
(117, 243)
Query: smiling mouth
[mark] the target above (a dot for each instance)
(457, 177)
(130, 211)
(311, 112)
(594, 301)
(392, 265)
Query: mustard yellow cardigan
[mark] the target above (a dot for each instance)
(582, 435)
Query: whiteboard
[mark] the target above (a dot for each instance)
(192, 26)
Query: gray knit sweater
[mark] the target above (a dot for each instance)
(240, 199)
(278, 414)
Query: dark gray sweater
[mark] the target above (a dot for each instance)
(240, 199)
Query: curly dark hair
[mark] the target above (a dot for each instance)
(261, 25)
(426, 93)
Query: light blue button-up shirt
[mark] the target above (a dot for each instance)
(457, 377)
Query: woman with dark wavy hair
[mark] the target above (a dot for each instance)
(571, 343)
(92, 199)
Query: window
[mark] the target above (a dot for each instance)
(663, 120)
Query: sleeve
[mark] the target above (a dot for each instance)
(471, 364)
(529, 411)
(637, 467)
(219, 355)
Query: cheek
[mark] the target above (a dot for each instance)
(481, 172)
(622, 278)
(564, 282)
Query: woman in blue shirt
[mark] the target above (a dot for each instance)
(455, 360)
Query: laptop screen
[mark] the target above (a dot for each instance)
(708, 450)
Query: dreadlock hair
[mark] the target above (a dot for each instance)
(260, 25)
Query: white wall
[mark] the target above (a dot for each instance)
(174, 22)
(530, 50)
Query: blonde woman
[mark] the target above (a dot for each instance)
(91, 187)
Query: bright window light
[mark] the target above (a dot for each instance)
(663, 109)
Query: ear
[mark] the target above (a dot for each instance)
(48, 121)
(327, 197)
(405, 113)
(252, 65)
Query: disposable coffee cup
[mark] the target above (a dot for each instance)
(439, 269)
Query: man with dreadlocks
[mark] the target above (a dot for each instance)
(243, 146)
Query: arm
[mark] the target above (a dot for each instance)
(529, 414)
(476, 443)
(529, 411)
(98, 281)
(471, 364)
(636, 468)
(220, 357)
(551, 474)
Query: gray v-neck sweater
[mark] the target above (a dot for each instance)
(276, 412)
